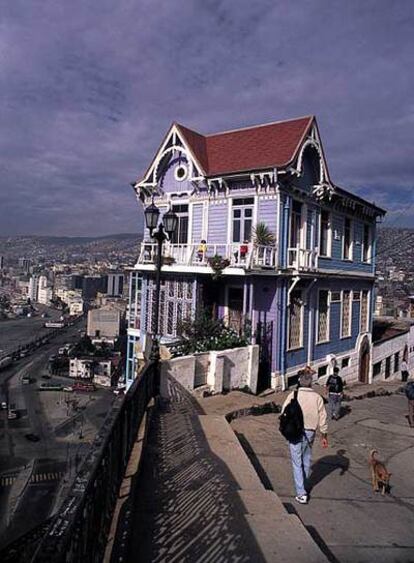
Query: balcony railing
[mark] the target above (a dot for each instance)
(302, 259)
(247, 256)
(78, 533)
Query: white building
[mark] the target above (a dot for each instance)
(104, 324)
(44, 292)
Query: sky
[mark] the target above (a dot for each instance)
(88, 89)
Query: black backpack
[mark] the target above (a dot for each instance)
(409, 390)
(335, 384)
(291, 421)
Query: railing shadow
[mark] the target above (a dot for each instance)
(185, 501)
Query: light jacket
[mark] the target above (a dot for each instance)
(313, 408)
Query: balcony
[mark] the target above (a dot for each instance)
(247, 256)
(302, 259)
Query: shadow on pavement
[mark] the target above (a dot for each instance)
(184, 502)
(327, 465)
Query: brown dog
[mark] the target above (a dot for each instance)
(380, 476)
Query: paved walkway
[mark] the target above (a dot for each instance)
(354, 523)
(198, 499)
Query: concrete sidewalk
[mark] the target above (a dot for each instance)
(239, 403)
(349, 520)
(197, 497)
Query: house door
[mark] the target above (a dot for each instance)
(364, 358)
(235, 308)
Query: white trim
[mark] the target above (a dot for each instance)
(186, 171)
(229, 220)
(190, 223)
(205, 218)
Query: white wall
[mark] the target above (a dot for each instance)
(388, 349)
(226, 369)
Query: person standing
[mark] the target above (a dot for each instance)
(409, 392)
(335, 387)
(404, 371)
(314, 417)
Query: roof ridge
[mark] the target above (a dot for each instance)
(309, 117)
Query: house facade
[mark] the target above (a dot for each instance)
(266, 240)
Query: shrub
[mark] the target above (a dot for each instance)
(204, 334)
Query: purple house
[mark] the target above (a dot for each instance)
(297, 251)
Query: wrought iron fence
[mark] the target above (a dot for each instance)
(79, 531)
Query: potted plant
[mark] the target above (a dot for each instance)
(168, 260)
(262, 235)
(218, 263)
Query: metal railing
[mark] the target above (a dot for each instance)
(240, 255)
(79, 531)
(302, 259)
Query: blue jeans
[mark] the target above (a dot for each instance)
(334, 403)
(301, 456)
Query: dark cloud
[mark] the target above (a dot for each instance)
(87, 90)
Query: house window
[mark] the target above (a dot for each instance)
(376, 370)
(295, 320)
(364, 312)
(322, 371)
(356, 295)
(335, 296)
(345, 362)
(346, 314)
(323, 316)
(295, 225)
(180, 236)
(242, 219)
(324, 234)
(387, 367)
(366, 244)
(396, 361)
(346, 255)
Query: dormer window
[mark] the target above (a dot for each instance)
(181, 172)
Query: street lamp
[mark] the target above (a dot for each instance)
(165, 231)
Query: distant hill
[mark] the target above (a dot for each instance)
(53, 246)
(395, 247)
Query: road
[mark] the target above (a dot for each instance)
(350, 521)
(17, 332)
(37, 470)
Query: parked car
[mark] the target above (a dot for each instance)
(32, 437)
(46, 376)
(3, 405)
(12, 415)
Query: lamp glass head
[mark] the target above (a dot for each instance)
(170, 222)
(151, 216)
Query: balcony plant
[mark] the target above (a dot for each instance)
(217, 263)
(262, 235)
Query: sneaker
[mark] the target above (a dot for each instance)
(302, 499)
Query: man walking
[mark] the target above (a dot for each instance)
(314, 416)
(409, 392)
(404, 371)
(335, 386)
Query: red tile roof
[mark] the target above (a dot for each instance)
(252, 148)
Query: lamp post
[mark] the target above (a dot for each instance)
(164, 231)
